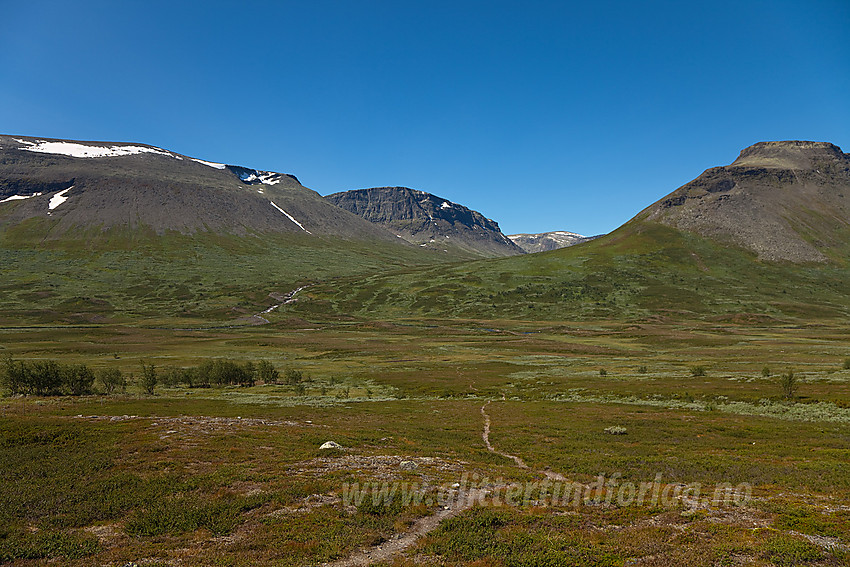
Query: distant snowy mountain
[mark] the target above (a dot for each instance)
(544, 241)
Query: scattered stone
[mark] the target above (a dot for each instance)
(330, 445)
(616, 430)
(408, 465)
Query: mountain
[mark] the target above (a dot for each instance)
(785, 201)
(764, 239)
(103, 231)
(427, 220)
(62, 186)
(546, 241)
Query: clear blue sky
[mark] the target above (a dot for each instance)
(541, 115)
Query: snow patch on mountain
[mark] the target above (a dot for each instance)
(58, 199)
(77, 150)
(250, 176)
(290, 217)
(19, 197)
(209, 163)
(269, 178)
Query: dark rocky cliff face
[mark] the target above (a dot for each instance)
(427, 220)
(786, 201)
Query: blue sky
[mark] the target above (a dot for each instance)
(541, 115)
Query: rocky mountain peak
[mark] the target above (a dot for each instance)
(427, 220)
(786, 201)
(789, 154)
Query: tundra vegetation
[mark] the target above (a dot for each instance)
(223, 461)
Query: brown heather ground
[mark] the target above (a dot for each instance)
(234, 476)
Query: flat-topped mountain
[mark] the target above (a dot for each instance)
(785, 201)
(546, 241)
(793, 154)
(57, 186)
(427, 220)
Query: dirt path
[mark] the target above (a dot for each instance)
(486, 436)
(401, 542)
(519, 462)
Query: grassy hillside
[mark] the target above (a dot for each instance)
(98, 232)
(122, 274)
(640, 270)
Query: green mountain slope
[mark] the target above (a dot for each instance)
(95, 231)
(767, 238)
(641, 270)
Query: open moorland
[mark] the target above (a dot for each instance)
(233, 475)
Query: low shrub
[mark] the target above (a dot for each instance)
(789, 384)
(785, 550)
(47, 545)
(184, 514)
(111, 380)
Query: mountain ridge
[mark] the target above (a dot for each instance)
(547, 241)
(115, 184)
(426, 220)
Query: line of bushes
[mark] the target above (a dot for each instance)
(217, 372)
(51, 378)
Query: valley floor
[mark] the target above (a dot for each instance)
(506, 443)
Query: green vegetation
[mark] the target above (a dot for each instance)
(183, 514)
(790, 384)
(45, 377)
(50, 378)
(642, 358)
(234, 470)
(648, 355)
(267, 373)
(292, 377)
(640, 271)
(149, 378)
(788, 551)
(698, 371)
(178, 280)
(111, 381)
